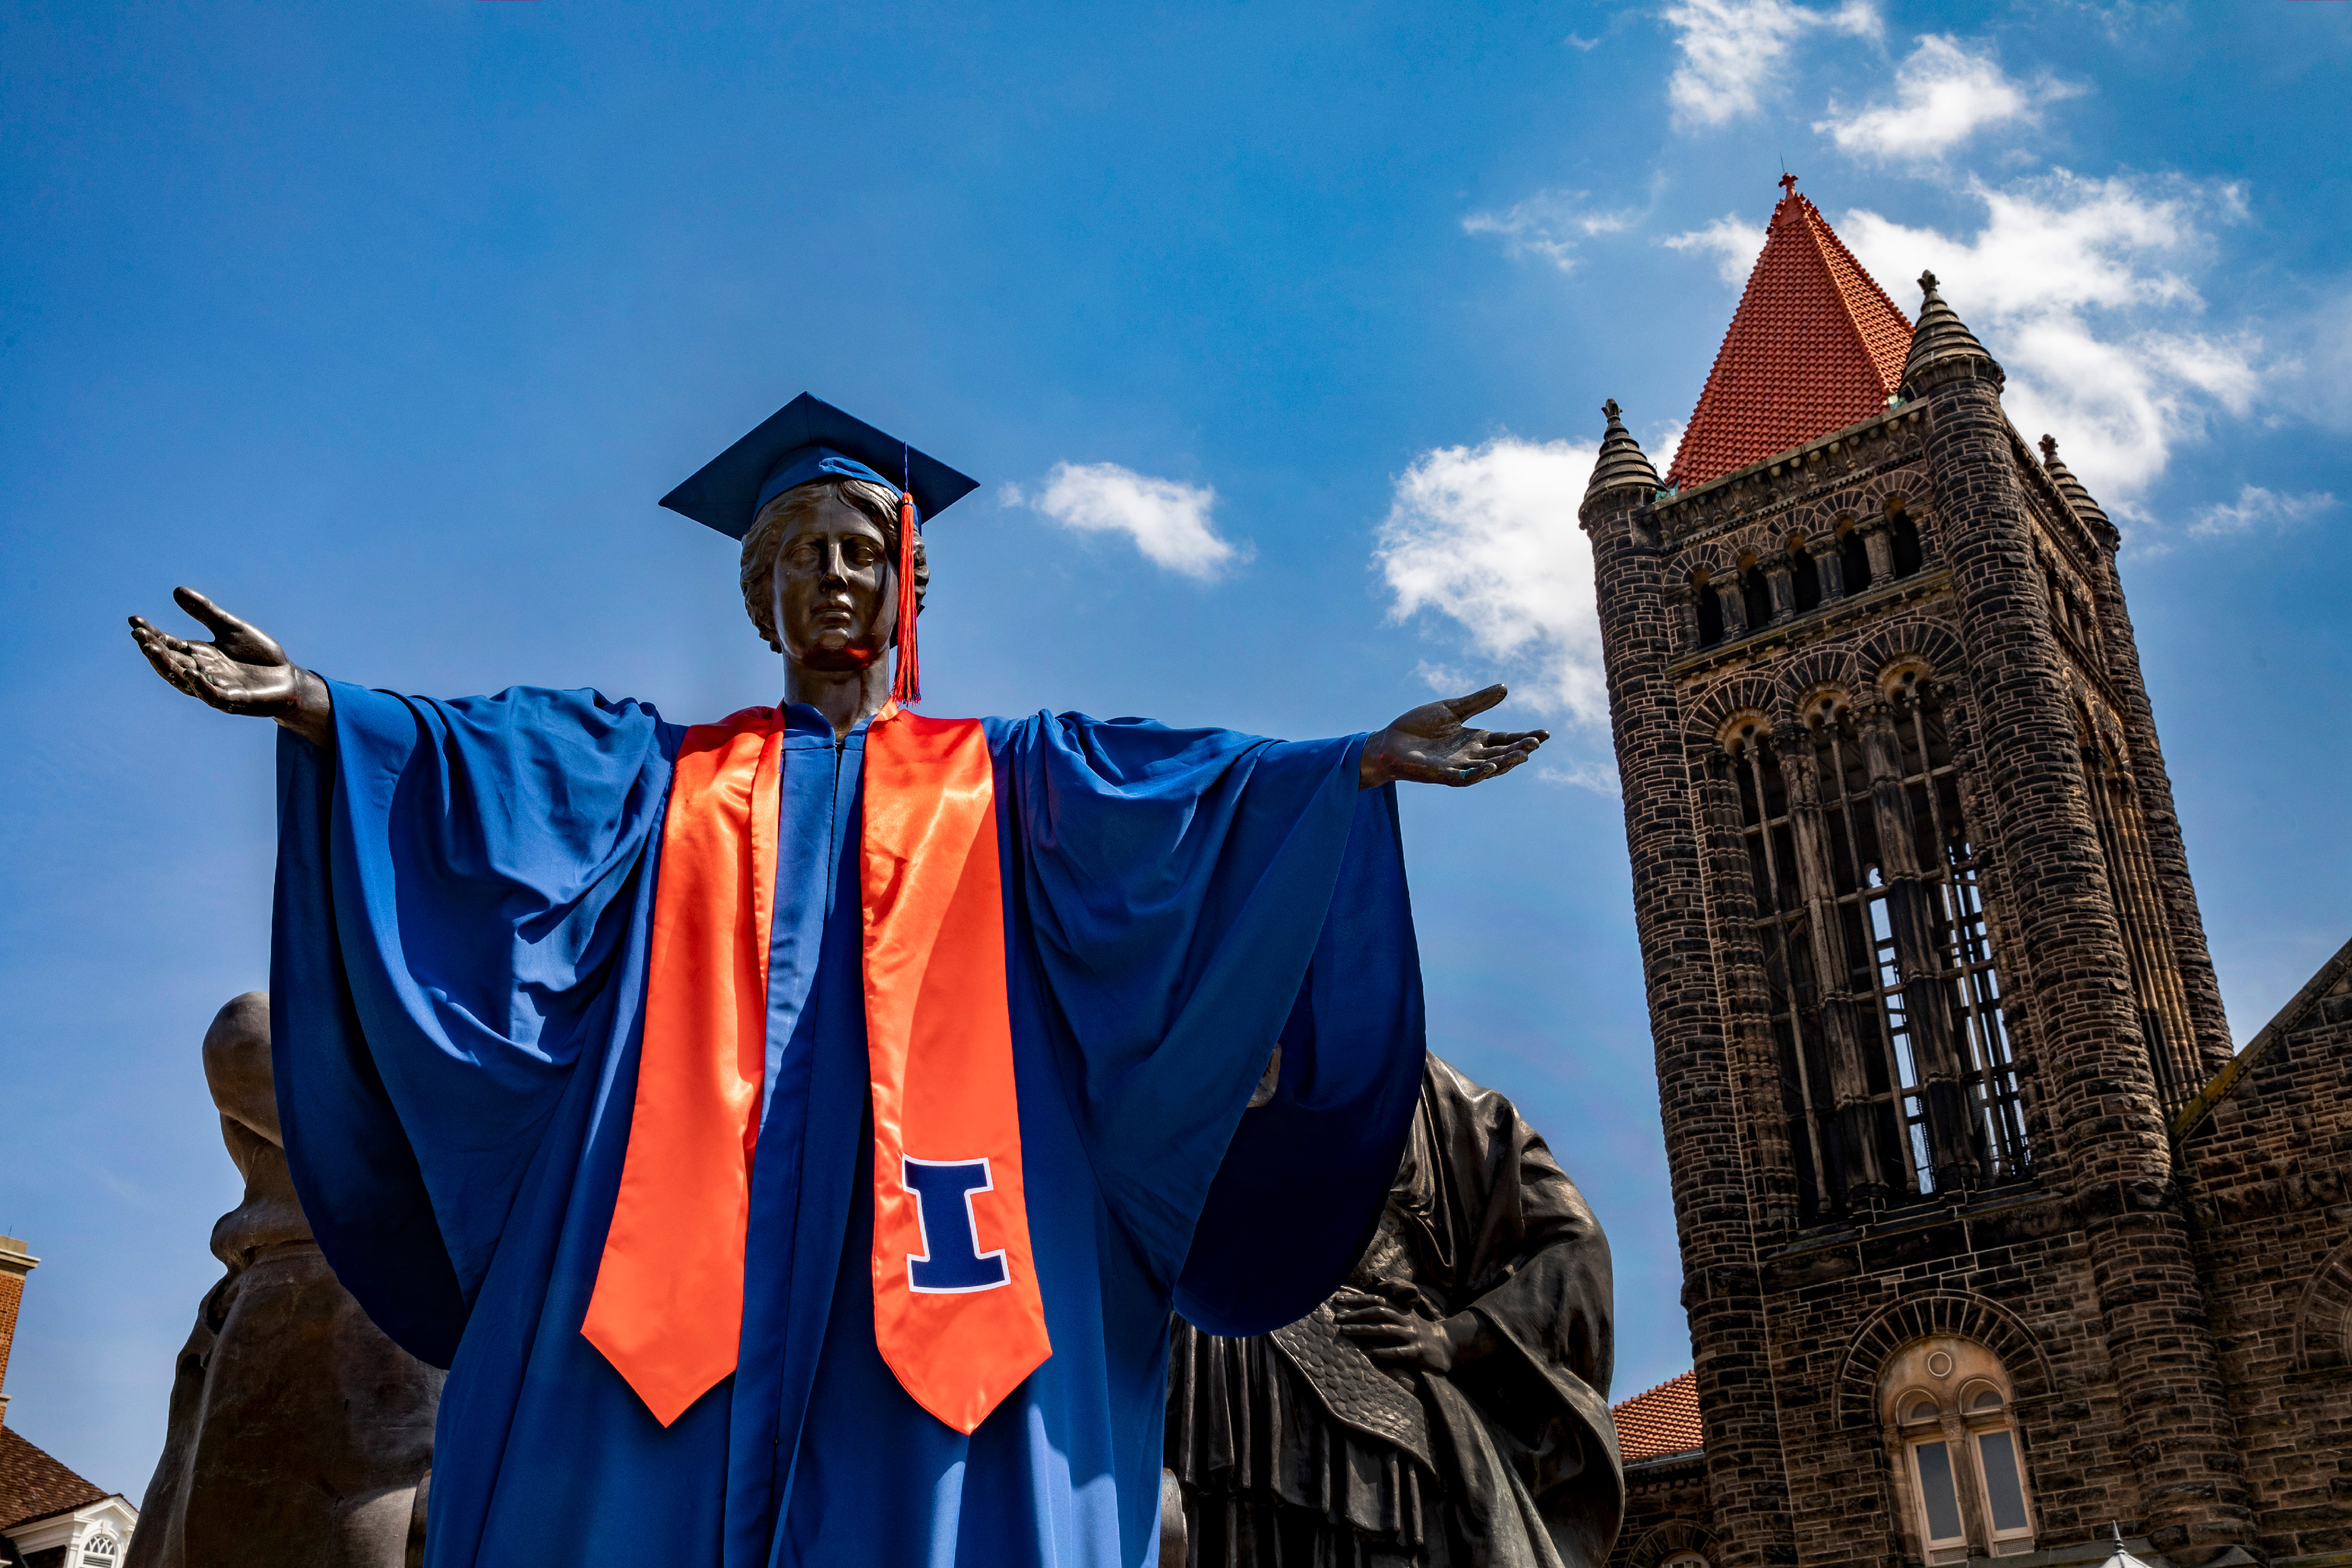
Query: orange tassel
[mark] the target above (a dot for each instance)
(907, 685)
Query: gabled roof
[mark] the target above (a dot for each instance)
(2332, 983)
(1662, 1421)
(34, 1486)
(1815, 346)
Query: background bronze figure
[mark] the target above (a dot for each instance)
(297, 1431)
(1448, 1406)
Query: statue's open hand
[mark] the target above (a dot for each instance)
(241, 671)
(1388, 1333)
(1432, 745)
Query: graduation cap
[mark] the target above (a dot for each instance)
(806, 441)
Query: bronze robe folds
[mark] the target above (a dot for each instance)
(1296, 1450)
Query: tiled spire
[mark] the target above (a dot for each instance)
(1622, 464)
(1815, 346)
(1940, 339)
(2070, 487)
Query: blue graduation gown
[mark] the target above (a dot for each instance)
(464, 897)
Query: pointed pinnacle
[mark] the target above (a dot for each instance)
(1622, 464)
(2078, 495)
(1940, 339)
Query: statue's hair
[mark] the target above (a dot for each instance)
(787, 512)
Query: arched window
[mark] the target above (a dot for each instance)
(1710, 611)
(1959, 1466)
(1903, 535)
(100, 1550)
(1854, 559)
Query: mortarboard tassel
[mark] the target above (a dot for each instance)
(907, 685)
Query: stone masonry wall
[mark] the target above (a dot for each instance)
(2268, 1172)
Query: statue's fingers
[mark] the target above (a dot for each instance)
(1476, 701)
(218, 621)
(156, 654)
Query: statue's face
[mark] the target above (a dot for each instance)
(836, 607)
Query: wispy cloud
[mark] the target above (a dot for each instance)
(2086, 292)
(1487, 537)
(1944, 95)
(1733, 242)
(2256, 507)
(1734, 50)
(1167, 519)
(1547, 223)
(1600, 778)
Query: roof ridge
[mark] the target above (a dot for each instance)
(2315, 991)
(1690, 1375)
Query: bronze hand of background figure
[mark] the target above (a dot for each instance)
(1432, 745)
(241, 671)
(1391, 1333)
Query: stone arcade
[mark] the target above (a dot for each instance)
(1988, 1240)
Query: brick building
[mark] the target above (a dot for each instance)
(1990, 1242)
(49, 1517)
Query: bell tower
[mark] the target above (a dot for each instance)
(1926, 973)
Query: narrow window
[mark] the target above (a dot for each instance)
(1903, 535)
(1939, 1498)
(2004, 1494)
(1805, 579)
(1854, 559)
(1756, 596)
(1710, 614)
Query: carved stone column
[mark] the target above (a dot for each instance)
(1734, 609)
(1880, 546)
(1830, 569)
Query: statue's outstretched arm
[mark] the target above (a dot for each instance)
(241, 671)
(1432, 745)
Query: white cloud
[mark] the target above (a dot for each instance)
(1731, 51)
(1943, 96)
(1168, 520)
(2255, 506)
(1486, 536)
(1733, 242)
(1547, 223)
(1600, 778)
(2084, 289)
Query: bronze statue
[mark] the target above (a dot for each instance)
(504, 1062)
(1448, 1406)
(297, 1433)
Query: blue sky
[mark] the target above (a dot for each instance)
(1278, 335)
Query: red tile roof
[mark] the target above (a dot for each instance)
(33, 1485)
(1815, 346)
(1662, 1421)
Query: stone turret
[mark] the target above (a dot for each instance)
(1641, 626)
(2184, 922)
(2107, 1142)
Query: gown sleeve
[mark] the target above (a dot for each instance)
(1191, 898)
(460, 887)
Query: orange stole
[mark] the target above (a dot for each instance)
(667, 1307)
(938, 1044)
